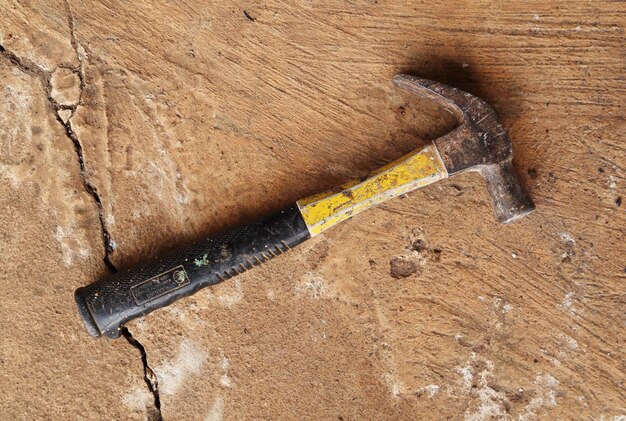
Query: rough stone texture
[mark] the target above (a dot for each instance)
(50, 242)
(197, 117)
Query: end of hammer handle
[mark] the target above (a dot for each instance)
(83, 310)
(107, 304)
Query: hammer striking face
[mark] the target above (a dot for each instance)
(479, 143)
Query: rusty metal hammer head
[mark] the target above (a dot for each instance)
(479, 144)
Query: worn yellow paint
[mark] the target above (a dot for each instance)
(408, 173)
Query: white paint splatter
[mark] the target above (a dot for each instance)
(501, 305)
(11, 174)
(225, 379)
(612, 183)
(224, 294)
(545, 396)
(173, 374)
(138, 399)
(16, 107)
(567, 304)
(311, 284)
(217, 410)
(431, 390)
(490, 402)
(394, 384)
(230, 300)
(181, 198)
(567, 238)
(158, 177)
(570, 342)
(64, 238)
(567, 346)
(391, 377)
(467, 375)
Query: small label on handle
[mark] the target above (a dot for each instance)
(160, 285)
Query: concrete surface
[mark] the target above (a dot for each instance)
(129, 128)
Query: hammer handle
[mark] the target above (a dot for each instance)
(107, 304)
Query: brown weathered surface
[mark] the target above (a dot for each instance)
(49, 243)
(196, 117)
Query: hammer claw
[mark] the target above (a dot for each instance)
(450, 98)
(480, 144)
(465, 106)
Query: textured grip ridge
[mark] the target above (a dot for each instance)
(107, 304)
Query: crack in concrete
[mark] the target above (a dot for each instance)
(32, 69)
(35, 71)
(80, 71)
(148, 375)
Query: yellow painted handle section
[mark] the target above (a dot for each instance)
(408, 173)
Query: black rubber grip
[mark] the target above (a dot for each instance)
(107, 304)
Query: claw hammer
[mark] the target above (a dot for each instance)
(479, 143)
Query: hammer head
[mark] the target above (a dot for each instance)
(479, 144)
